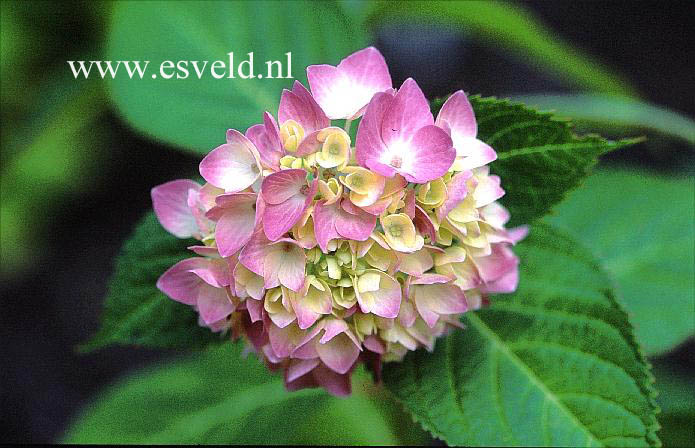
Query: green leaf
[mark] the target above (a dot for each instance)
(220, 398)
(539, 158)
(641, 227)
(506, 25)
(194, 113)
(135, 311)
(555, 364)
(610, 112)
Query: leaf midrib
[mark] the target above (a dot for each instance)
(499, 345)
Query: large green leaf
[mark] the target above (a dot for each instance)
(135, 311)
(194, 113)
(641, 227)
(554, 364)
(220, 398)
(611, 112)
(509, 26)
(539, 157)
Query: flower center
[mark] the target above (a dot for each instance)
(304, 190)
(396, 162)
(334, 150)
(357, 181)
(395, 230)
(286, 247)
(254, 169)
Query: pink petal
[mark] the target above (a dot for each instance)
(278, 219)
(487, 191)
(415, 263)
(283, 340)
(205, 251)
(343, 91)
(429, 279)
(233, 166)
(456, 191)
(266, 138)
(236, 225)
(406, 114)
(433, 300)
(385, 302)
(457, 115)
(431, 155)
(495, 214)
(254, 252)
(214, 304)
(325, 217)
(353, 223)
(280, 186)
(300, 106)
(475, 152)
(424, 224)
(213, 271)
(410, 203)
(284, 264)
(255, 309)
(374, 344)
(333, 382)
(505, 284)
(179, 283)
(170, 203)
(300, 367)
(500, 262)
(339, 354)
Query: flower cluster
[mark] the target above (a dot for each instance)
(323, 254)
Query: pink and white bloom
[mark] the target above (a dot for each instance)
(233, 166)
(344, 91)
(397, 135)
(323, 255)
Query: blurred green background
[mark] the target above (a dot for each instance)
(80, 156)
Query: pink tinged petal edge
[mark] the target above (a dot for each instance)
(457, 115)
(233, 166)
(345, 90)
(170, 203)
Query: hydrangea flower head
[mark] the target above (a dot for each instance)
(322, 253)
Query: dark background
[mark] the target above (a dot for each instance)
(55, 304)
